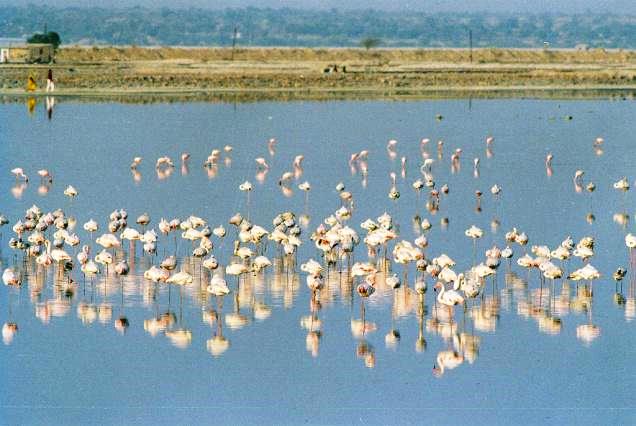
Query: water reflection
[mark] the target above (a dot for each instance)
(397, 272)
(50, 104)
(255, 297)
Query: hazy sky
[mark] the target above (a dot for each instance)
(574, 6)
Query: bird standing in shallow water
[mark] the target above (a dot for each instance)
(448, 298)
(45, 176)
(122, 268)
(548, 165)
(18, 173)
(70, 192)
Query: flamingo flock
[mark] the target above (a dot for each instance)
(218, 258)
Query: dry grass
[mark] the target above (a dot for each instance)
(503, 56)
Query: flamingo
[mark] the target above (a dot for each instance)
(261, 163)
(618, 276)
(447, 360)
(45, 175)
(247, 188)
(169, 263)
(108, 241)
(448, 298)
(622, 185)
(9, 330)
(218, 286)
(104, 258)
(298, 168)
(58, 255)
(236, 269)
(156, 274)
(11, 277)
(260, 263)
(18, 172)
(390, 148)
(70, 192)
(83, 255)
(315, 283)
(271, 146)
(474, 233)
(89, 268)
(548, 160)
(135, 163)
(122, 268)
(180, 278)
(45, 259)
(143, 220)
(210, 263)
(91, 226)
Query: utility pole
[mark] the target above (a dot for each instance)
(470, 44)
(234, 37)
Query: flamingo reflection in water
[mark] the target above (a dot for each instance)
(40, 238)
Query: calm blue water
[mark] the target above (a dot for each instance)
(68, 363)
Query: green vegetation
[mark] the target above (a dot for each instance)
(50, 37)
(292, 27)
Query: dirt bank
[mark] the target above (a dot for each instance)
(169, 70)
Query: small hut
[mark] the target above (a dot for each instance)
(42, 53)
(33, 53)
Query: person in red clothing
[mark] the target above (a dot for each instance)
(50, 85)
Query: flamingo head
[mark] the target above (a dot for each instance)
(437, 372)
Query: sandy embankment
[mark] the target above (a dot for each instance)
(119, 71)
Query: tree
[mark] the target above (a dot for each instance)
(370, 42)
(50, 37)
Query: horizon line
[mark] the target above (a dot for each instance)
(324, 10)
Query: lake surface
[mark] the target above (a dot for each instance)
(281, 358)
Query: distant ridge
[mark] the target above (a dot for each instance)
(315, 28)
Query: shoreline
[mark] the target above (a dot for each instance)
(304, 73)
(325, 94)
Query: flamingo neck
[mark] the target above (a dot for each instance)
(457, 283)
(440, 366)
(441, 292)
